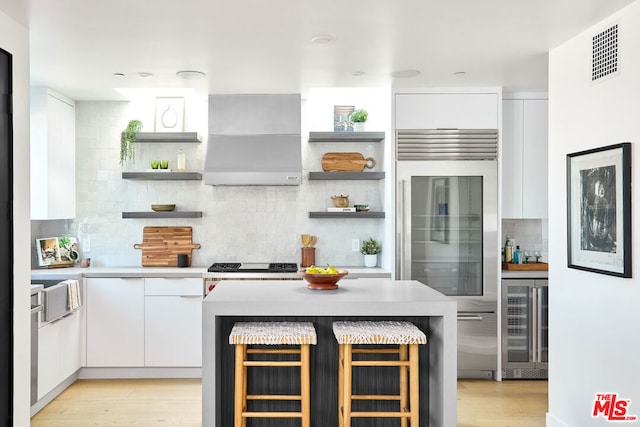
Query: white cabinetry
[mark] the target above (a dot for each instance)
(446, 110)
(173, 322)
(115, 322)
(59, 352)
(144, 322)
(53, 153)
(524, 158)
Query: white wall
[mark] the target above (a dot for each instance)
(15, 39)
(594, 319)
(254, 224)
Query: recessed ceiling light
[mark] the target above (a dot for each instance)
(460, 73)
(191, 74)
(405, 74)
(145, 75)
(321, 39)
(358, 73)
(118, 74)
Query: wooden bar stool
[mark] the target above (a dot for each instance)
(244, 334)
(406, 336)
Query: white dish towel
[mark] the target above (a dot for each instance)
(73, 291)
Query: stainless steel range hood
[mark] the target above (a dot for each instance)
(254, 140)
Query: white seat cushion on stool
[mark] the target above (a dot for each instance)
(386, 332)
(273, 333)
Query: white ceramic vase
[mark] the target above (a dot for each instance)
(370, 260)
(358, 126)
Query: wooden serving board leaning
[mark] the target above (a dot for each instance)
(346, 162)
(161, 245)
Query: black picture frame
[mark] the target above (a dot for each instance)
(599, 210)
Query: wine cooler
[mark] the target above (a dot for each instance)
(525, 328)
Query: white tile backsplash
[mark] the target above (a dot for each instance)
(530, 234)
(251, 224)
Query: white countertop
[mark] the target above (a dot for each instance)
(358, 297)
(77, 272)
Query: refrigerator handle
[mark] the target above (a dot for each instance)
(533, 325)
(400, 219)
(539, 325)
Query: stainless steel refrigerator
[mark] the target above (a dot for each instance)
(447, 223)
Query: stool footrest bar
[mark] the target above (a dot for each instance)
(269, 363)
(375, 397)
(272, 351)
(272, 414)
(380, 363)
(273, 397)
(381, 414)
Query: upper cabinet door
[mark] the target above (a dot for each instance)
(524, 158)
(535, 154)
(512, 124)
(53, 156)
(446, 110)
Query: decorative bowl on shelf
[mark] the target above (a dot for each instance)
(322, 282)
(162, 208)
(340, 201)
(361, 208)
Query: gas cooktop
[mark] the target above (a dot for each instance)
(249, 267)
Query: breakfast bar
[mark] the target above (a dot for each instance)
(355, 299)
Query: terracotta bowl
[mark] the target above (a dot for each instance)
(322, 282)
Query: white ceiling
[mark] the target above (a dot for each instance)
(252, 46)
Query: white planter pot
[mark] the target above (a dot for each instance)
(370, 260)
(358, 126)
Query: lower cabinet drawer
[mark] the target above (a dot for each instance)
(187, 286)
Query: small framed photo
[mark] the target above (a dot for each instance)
(599, 210)
(169, 114)
(48, 251)
(55, 251)
(342, 118)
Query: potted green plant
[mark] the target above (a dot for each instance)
(127, 140)
(358, 118)
(370, 249)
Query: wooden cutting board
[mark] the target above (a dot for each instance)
(531, 266)
(346, 162)
(161, 245)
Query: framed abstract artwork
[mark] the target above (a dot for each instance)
(169, 114)
(599, 210)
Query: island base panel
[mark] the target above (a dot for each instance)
(324, 378)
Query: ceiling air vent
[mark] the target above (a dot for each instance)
(604, 56)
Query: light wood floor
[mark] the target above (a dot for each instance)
(176, 403)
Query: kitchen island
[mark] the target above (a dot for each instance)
(357, 299)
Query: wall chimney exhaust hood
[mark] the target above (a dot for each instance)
(254, 140)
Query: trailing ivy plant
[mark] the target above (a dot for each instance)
(127, 140)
